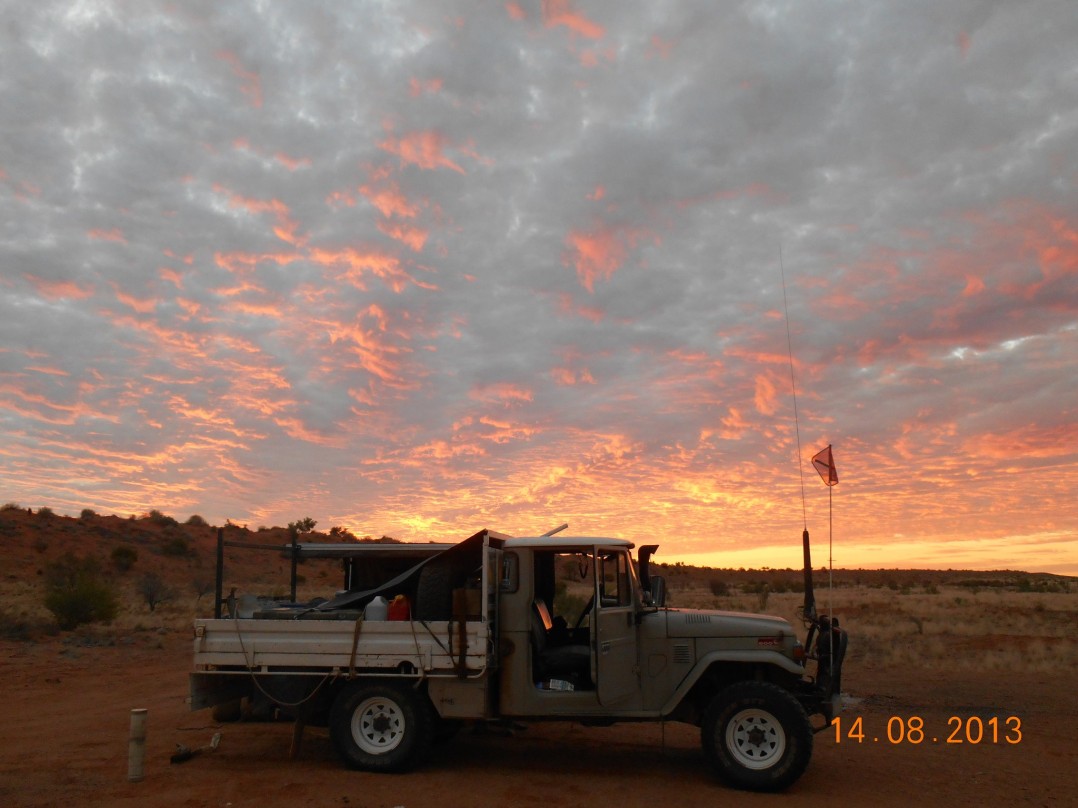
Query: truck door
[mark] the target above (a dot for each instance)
(615, 628)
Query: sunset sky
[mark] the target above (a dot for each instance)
(420, 268)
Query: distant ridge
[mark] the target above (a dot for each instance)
(32, 538)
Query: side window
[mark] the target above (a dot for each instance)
(614, 586)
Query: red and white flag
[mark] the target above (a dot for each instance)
(824, 462)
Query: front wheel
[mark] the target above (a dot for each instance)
(757, 736)
(381, 727)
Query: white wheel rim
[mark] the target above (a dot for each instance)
(755, 739)
(378, 725)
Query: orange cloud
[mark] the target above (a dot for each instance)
(295, 428)
(659, 47)
(441, 450)
(190, 307)
(388, 199)
(515, 11)
(963, 43)
(560, 12)
(566, 377)
(566, 305)
(412, 237)
(501, 392)
(107, 235)
(374, 353)
(974, 286)
(416, 87)
(59, 290)
(358, 262)
(735, 425)
(41, 408)
(142, 306)
(172, 276)
(292, 163)
(187, 259)
(424, 149)
(598, 254)
(1028, 441)
(286, 227)
(338, 198)
(766, 398)
(505, 431)
(241, 261)
(252, 84)
(48, 371)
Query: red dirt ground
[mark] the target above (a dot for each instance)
(65, 743)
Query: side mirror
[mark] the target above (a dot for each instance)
(658, 590)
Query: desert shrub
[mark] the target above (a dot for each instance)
(76, 592)
(11, 506)
(177, 547)
(196, 521)
(159, 518)
(123, 557)
(88, 513)
(339, 533)
(24, 628)
(719, 587)
(45, 512)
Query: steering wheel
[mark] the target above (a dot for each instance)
(584, 613)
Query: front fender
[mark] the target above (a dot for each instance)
(760, 657)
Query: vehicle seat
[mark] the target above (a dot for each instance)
(570, 661)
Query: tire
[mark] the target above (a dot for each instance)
(434, 593)
(381, 728)
(757, 736)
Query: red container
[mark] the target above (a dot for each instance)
(399, 608)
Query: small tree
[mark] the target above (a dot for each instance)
(154, 590)
(338, 533)
(305, 525)
(202, 587)
(77, 593)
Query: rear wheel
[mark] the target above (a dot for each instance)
(757, 736)
(381, 727)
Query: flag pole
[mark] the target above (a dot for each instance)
(830, 558)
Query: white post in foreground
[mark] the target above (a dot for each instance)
(136, 745)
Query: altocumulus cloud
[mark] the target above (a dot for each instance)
(422, 267)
